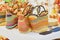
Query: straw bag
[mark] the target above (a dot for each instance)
(39, 21)
(23, 22)
(11, 21)
(2, 16)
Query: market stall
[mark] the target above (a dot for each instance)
(30, 19)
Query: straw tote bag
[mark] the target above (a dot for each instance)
(39, 21)
(23, 22)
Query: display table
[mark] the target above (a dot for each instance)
(14, 34)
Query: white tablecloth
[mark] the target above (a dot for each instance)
(14, 34)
